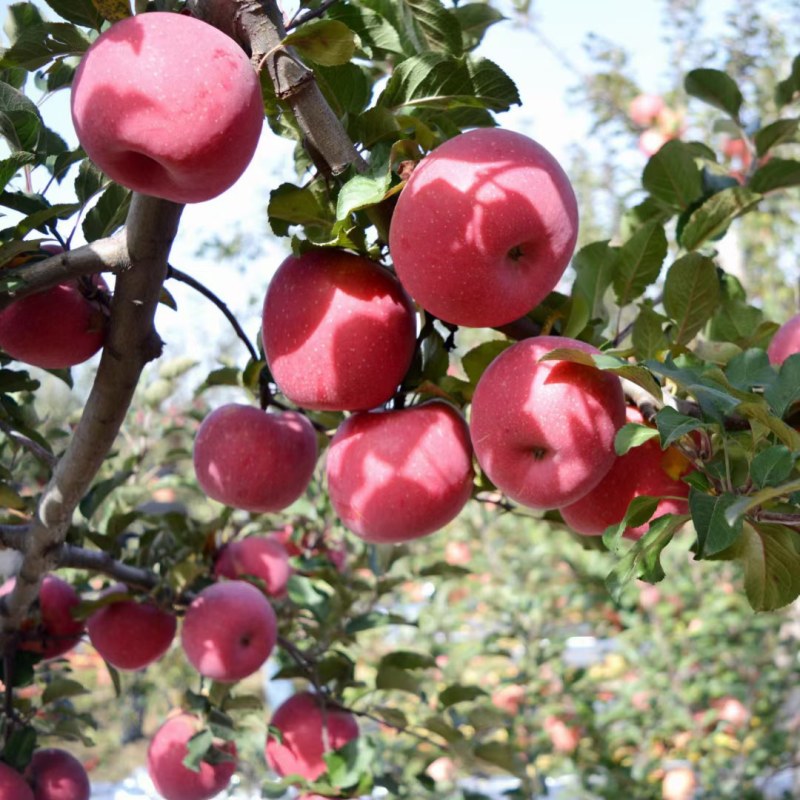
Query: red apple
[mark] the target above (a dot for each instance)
(543, 431)
(130, 634)
(785, 342)
(13, 785)
(398, 475)
(564, 738)
(651, 141)
(229, 631)
(254, 460)
(732, 711)
(159, 122)
(644, 108)
(643, 470)
(509, 698)
(57, 631)
(484, 228)
(679, 783)
(172, 779)
(55, 774)
(457, 553)
(58, 327)
(301, 721)
(339, 331)
(262, 557)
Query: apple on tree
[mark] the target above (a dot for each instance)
(785, 342)
(261, 557)
(339, 331)
(645, 108)
(12, 785)
(183, 129)
(484, 228)
(543, 431)
(55, 774)
(398, 475)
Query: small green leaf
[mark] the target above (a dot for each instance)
(737, 510)
(390, 677)
(672, 425)
(499, 754)
(785, 391)
(436, 26)
(778, 132)
(478, 359)
(80, 12)
(691, 294)
(406, 659)
(324, 41)
(348, 763)
(750, 369)
(360, 192)
(773, 466)
(712, 218)
(640, 261)
(38, 45)
(475, 19)
(631, 435)
(108, 214)
(672, 177)
(61, 689)
(197, 747)
(295, 205)
(709, 516)
(459, 693)
(594, 267)
(639, 511)
(777, 173)
(647, 334)
(786, 89)
(100, 491)
(715, 88)
(759, 412)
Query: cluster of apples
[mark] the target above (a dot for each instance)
(659, 122)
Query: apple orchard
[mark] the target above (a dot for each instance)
(437, 344)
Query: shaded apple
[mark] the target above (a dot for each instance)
(484, 228)
(165, 755)
(543, 431)
(55, 774)
(339, 331)
(398, 475)
(785, 342)
(130, 634)
(301, 721)
(262, 557)
(160, 123)
(254, 460)
(229, 631)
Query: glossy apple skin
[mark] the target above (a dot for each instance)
(129, 634)
(301, 719)
(339, 331)
(13, 785)
(54, 329)
(643, 470)
(263, 557)
(249, 459)
(59, 631)
(172, 779)
(398, 475)
(484, 228)
(543, 431)
(229, 631)
(785, 342)
(160, 123)
(55, 774)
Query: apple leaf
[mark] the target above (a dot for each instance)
(475, 19)
(778, 132)
(347, 87)
(478, 359)
(672, 425)
(785, 391)
(37, 45)
(647, 334)
(639, 511)
(348, 763)
(328, 42)
(61, 689)
(459, 693)
(19, 747)
(429, 21)
(737, 510)
(196, 749)
(715, 532)
(773, 466)
(407, 659)
(594, 267)
(712, 218)
(672, 177)
(691, 294)
(640, 261)
(377, 36)
(631, 435)
(390, 677)
(441, 727)
(715, 88)
(759, 412)
(786, 89)
(750, 369)
(362, 191)
(500, 754)
(108, 214)
(295, 205)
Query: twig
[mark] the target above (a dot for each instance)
(35, 448)
(172, 272)
(297, 20)
(98, 561)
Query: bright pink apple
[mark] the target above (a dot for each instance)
(159, 122)
(643, 470)
(651, 141)
(644, 108)
(262, 557)
(543, 431)
(785, 342)
(398, 475)
(55, 774)
(254, 460)
(339, 331)
(172, 779)
(484, 228)
(13, 785)
(301, 721)
(229, 631)
(58, 327)
(54, 631)
(130, 634)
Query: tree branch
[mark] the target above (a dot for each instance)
(97, 561)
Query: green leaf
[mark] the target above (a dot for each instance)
(712, 218)
(778, 132)
(672, 425)
(672, 176)
(390, 677)
(347, 764)
(475, 19)
(478, 359)
(310, 594)
(20, 122)
(347, 87)
(459, 693)
(197, 747)
(784, 392)
(785, 90)
(641, 258)
(777, 173)
(10, 166)
(407, 659)
(377, 35)
(737, 510)
(500, 754)
(594, 267)
(46, 218)
(88, 182)
(100, 491)
(638, 512)
(715, 88)
(431, 26)
(328, 42)
(293, 205)
(361, 191)
(772, 467)
(108, 214)
(647, 334)
(759, 412)
(61, 689)
(374, 619)
(40, 44)
(17, 381)
(750, 369)
(79, 12)
(714, 532)
(691, 294)
(19, 747)
(631, 435)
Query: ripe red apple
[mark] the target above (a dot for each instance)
(55, 774)
(644, 108)
(263, 557)
(229, 631)
(130, 634)
(484, 228)
(55, 631)
(785, 342)
(13, 785)
(159, 122)
(564, 738)
(301, 720)
(58, 327)
(339, 331)
(254, 460)
(398, 475)
(643, 470)
(172, 779)
(509, 698)
(543, 431)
